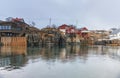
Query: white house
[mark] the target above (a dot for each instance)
(115, 34)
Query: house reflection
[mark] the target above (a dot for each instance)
(71, 52)
(13, 50)
(17, 57)
(12, 57)
(61, 53)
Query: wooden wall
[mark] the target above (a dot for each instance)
(14, 41)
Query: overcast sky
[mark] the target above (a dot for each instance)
(94, 14)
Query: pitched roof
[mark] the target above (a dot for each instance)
(63, 26)
(84, 28)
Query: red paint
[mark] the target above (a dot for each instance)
(72, 29)
(64, 26)
(17, 19)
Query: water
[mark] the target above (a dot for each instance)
(72, 61)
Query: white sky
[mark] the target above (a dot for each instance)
(94, 14)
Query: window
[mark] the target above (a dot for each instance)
(9, 27)
(19, 29)
(1, 27)
(5, 27)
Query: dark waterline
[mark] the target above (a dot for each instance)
(71, 61)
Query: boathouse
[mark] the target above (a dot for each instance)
(12, 32)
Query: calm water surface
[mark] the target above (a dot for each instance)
(72, 61)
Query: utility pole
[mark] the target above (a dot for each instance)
(76, 23)
(50, 22)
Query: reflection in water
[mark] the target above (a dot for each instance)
(16, 57)
(62, 53)
(12, 58)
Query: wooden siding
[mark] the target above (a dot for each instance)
(14, 41)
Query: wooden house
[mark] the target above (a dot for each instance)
(12, 28)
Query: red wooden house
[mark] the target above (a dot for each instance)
(83, 32)
(67, 29)
(70, 29)
(63, 28)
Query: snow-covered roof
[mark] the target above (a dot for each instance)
(115, 31)
(85, 31)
